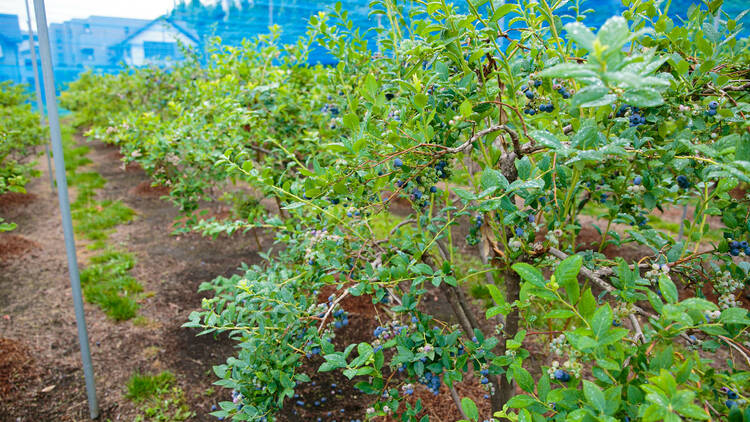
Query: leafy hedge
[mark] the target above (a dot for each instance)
(20, 133)
(503, 128)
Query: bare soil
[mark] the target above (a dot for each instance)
(40, 367)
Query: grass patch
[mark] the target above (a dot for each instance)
(161, 400)
(106, 282)
(95, 222)
(142, 387)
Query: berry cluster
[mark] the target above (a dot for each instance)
(432, 382)
(733, 399)
(712, 106)
(637, 186)
(561, 90)
(341, 318)
(736, 248)
(387, 332)
(557, 345)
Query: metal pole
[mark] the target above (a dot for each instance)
(39, 104)
(62, 194)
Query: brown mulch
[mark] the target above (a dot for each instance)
(12, 246)
(16, 367)
(145, 189)
(13, 198)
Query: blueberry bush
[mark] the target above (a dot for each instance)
(20, 134)
(508, 129)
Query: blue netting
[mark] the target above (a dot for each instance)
(101, 43)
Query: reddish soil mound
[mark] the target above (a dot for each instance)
(12, 245)
(12, 198)
(132, 167)
(144, 189)
(16, 367)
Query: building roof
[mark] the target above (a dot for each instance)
(171, 22)
(9, 28)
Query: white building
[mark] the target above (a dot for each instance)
(158, 42)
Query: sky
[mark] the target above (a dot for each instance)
(62, 10)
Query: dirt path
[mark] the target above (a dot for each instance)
(44, 380)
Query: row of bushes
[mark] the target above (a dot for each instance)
(504, 129)
(20, 134)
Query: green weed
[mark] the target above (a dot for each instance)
(106, 282)
(162, 401)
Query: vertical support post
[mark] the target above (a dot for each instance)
(62, 194)
(38, 89)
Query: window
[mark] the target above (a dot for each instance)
(158, 50)
(86, 28)
(87, 53)
(27, 62)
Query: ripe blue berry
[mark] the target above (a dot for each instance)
(731, 395)
(711, 112)
(734, 252)
(730, 403)
(538, 82)
(433, 189)
(683, 182)
(532, 218)
(638, 180)
(713, 105)
(484, 372)
(519, 231)
(530, 95)
(484, 380)
(561, 375)
(398, 163)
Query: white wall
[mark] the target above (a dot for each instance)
(160, 32)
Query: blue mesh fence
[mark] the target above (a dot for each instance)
(110, 44)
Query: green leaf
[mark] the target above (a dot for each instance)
(351, 121)
(523, 378)
(465, 108)
(581, 34)
(601, 321)
(614, 33)
(588, 304)
(668, 289)
(559, 314)
(594, 396)
(529, 274)
(566, 275)
(593, 96)
(503, 10)
(547, 139)
(521, 401)
(570, 71)
(420, 100)
(493, 178)
(734, 316)
(464, 194)
(642, 97)
(470, 409)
